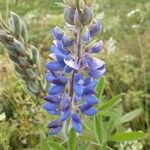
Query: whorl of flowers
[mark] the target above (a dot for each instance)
(74, 71)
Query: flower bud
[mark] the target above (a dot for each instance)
(97, 47)
(69, 15)
(67, 41)
(86, 36)
(77, 19)
(87, 16)
(58, 33)
(95, 28)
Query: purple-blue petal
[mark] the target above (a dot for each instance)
(96, 73)
(95, 63)
(55, 124)
(65, 104)
(67, 41)
(53, 112)
(54, 131)
(57, 33)
(52, 99)
(90, 99)
(55, 66)
(97, 47)
(49, 106)
(55, 80)
(49, 77)
(87, 81)
(71, 63)
(77, 77)
(56, 89)
(61, 48)
(57, 51)
(85, 106)
(88, 91)
(86, 37)
(76, 122)
(67, 69)
(78, 89)
(90, 112)
(65, 114)
(95, 28)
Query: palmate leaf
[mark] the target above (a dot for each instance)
(127, 136)
(72, 139)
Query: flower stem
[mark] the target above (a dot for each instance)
(78, 53)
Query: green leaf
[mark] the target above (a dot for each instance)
(84, 146)
(35, 55)
(112, 102)
(127, 136)
(16, 24)
(24, 32)
(114, 119)
(130, 116)
(60, 4)
(44, 145)
(72, 139)
(99, 129)
(56, 146)
(100, 87)
(89, 124)
(33, 87)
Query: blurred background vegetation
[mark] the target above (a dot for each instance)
(126, 30)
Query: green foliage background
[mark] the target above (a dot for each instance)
(128, 70)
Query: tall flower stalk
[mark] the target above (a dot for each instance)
(74, 71)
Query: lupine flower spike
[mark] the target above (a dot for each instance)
(74, 71)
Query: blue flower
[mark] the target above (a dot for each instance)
(96, 68)
(58, 83)
(72, 74)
